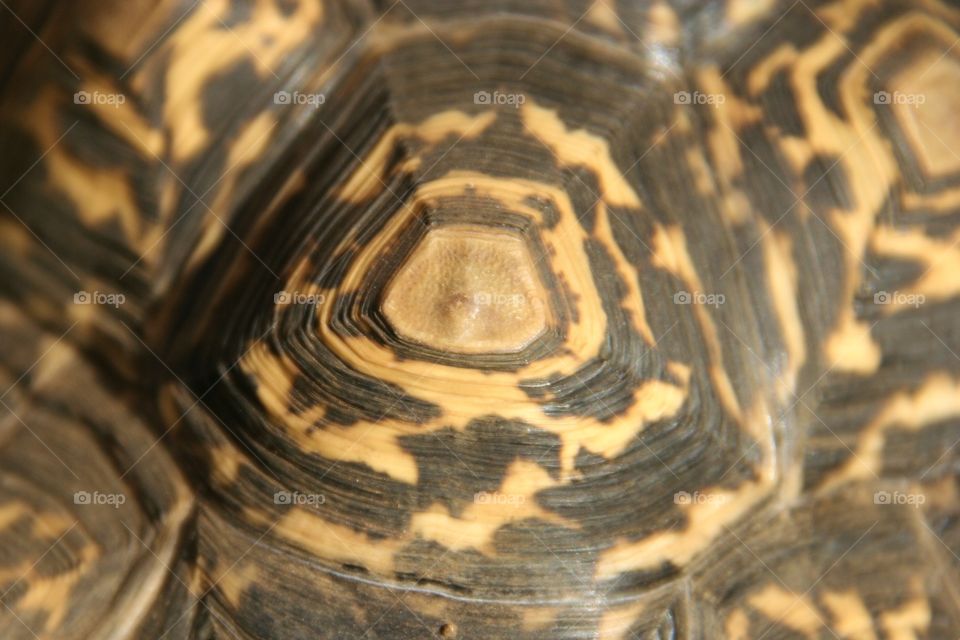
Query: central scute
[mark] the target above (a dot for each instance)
(468, 289)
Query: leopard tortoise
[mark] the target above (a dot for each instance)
(549, 319)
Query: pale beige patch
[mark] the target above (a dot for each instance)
(851, 347)
(850, 617)
(233, 581)
(911, 620)
(515, 500)
(580, 148)
(538, 618)
(705, 521)
(603, 14)
(331, 541)
(743, 12)
(617, 621)
(670, 253)
(926, 100)
(782, 286)
(368, 178)
(663, 25)
(468, 289)
(792, 610)
(737, 625)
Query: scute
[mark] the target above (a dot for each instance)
(467, 290)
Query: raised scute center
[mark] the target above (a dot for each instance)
(468, 289)
(925, 97)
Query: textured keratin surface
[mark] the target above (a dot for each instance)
(467, 290)
(540, 319)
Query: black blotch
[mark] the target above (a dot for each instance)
(398, 153)
(645, 580)
(334, 414)
(547, 549)
(454, 466)
(348, 397)
(355, 568)
(16, 164)
(240, 12)
(340, 317)
(781, 105)
(542, 387)
(603, 387)
(765, 179)
(287, 7)
(547, 209)
(332, 274)
(95, 145)
(584, 191)
(586, 460)
(887, 274)
(827, 184)
(219, 96)
(569, 294)
(268, 612)
(600, 390)
(112, 230)
(909, 453)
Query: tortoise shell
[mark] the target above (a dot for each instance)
(490, 319)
